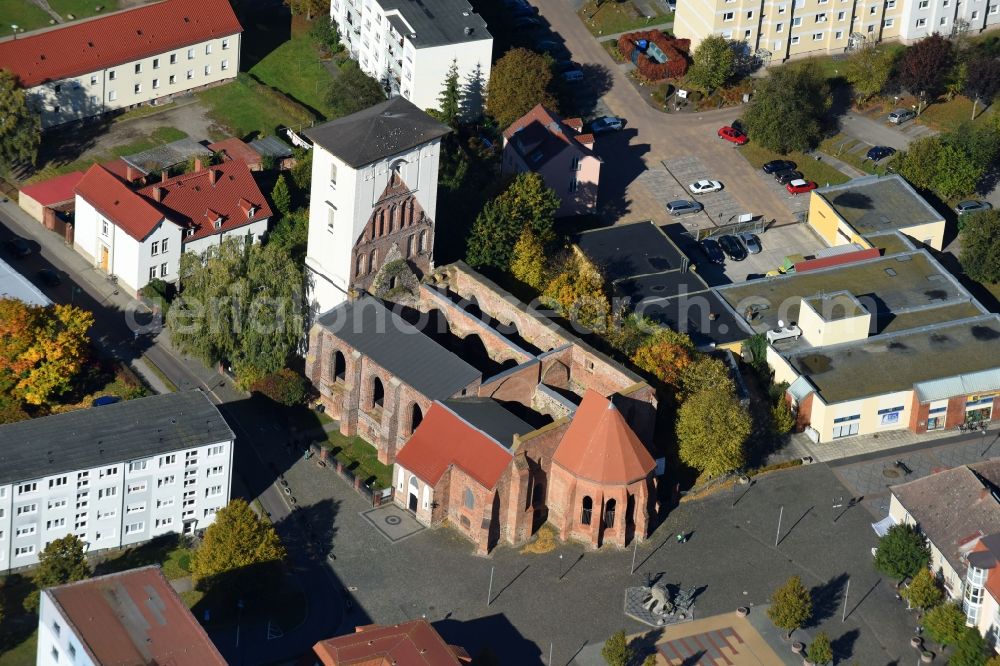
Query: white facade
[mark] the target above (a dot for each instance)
(115, 504)
(58, 643)
(253, 232)
(115, 252)
(343, 199)
(151, 79)
(390, 44)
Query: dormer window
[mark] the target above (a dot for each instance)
(251, 212)
(218, 224)
(189, 233)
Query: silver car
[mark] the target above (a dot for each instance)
(972, 206)
(683, 207)
(751, 242)
(900, 116)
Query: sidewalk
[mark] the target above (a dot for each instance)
(873, 445)
(842, 167)
(655, 26)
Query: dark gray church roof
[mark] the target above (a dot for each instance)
(382, 335)
(386, 129)
(110, 434)
(489, 416)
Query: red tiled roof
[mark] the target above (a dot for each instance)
(236, 149)
(543, 134)
(443, 439)
(89, 46)
(413, 643)
(600, 446)
(112, 198)
(54, 190)
(193, 201)
(121, 168)
(134, 617)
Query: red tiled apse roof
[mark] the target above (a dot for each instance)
(89, 46)
(413, 643)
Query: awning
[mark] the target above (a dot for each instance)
(882, 527)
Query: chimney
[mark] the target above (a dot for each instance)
(157, 194)
(197, 164)
(164, 175)
(213, 175)
(131, 173)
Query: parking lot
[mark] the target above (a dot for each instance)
(776, 243)
(798, 204)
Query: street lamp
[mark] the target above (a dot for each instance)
(15, 28)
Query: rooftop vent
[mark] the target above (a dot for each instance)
(465, 13)
(468, 30)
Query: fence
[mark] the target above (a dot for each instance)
(324, 461)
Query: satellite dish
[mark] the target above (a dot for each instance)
(781, 324)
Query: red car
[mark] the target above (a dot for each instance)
(732, 134)
(800, 186)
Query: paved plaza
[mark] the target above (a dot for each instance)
(394, 523)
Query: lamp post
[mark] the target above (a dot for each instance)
(15, 28)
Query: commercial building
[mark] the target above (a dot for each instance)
(114, 475)
(137, 56)
(374, 194)
(413, 643)
(410, 45)
(130, 617)
(139, 235)
(776, 30)
(560, 153)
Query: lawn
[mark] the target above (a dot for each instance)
(841, 147)
(294, 69)
(946, 116)
(22, 654)
(168, 551)
(82, 8)
(157, 137)
(23, 14)
(818, 171)
(615, 17)
(361, 458)
(245, 108)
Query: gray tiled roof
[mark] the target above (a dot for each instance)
(386, 129)
(129, 430)
(382, 335)
(490, 417)
(952, 506)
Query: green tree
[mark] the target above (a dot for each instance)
(782, 419)
(650, 660)
(791, 605)
(528, 262)
(924, 591)
(20, 125)
(518, 81)
(705, 372)
(325, 35)
(714, 63)
(242, 303)
(787, 110)
(285, 387)
(993, 661)
(450, 98)
(945, 624)
(352, 90)
(474, 95)
(280, 195)
(980, 256)
(868, 70)
(307, 8)
(667, 354)
(302, 170)
(62, 561)
(526, 202)
(290, 235)
(820, 652)
(925, 65)
(982, 80)
(616, 650)
(712, 428)
(238, 539)
(756, 348)
(918, 163)
(970, 650)
(902, 552)
(579, 293)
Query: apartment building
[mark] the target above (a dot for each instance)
(410, 45)
(129, 617)
(137, 56)
(114, 475)
(777, 30)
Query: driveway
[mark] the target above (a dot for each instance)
(652, 137)
(881, 133)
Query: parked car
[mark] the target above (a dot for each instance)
(573, 75)
(521, 11)
(876, 153)
(774, 166)
(785, 177)
(548, 46)
(900, 116)
(800, 186)
(18, 246)
(733, 248)
(49, 277)
(528, 24)
(705, 186)
(105, 400)
(712, 251)
(751, 242)
(606, 124)
(972, 206)
(732, 135)
(683, 207)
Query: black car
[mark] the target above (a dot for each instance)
(520, 11)
(787, 176)
(528, 23)
(713, 251)
(18, 246)
(49, 277)
(733, 248)
(774, 166)
(877, 153)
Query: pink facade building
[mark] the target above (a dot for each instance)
(560, 153)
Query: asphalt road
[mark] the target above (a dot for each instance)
(260, 448)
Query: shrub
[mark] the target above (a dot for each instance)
(285, 386)
(675, 49)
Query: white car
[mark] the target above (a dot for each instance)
(705, 186)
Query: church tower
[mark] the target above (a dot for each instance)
(374, 197)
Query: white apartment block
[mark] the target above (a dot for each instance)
(777, 30)
(114, 475)
(137, 56)
(411, 44)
